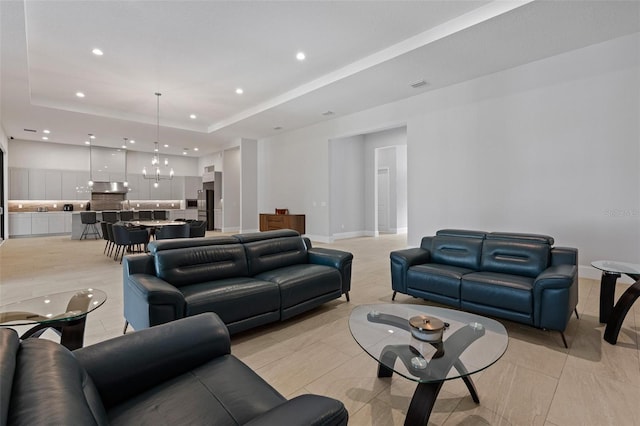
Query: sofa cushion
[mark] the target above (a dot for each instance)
(299, 283)
(267, 255)
(233, 299)
(437, 279)
(510, 292)
(191, 265)
(50, 387)
(221, 392)
(515, 257)
(9, 343)
(457, 251)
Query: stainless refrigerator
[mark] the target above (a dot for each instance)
(205, 207)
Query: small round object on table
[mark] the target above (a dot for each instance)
(426, 328)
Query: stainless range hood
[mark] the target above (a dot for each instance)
(109, 188)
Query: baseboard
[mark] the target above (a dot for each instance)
(345, 235)
(231, 229)
(319, 238)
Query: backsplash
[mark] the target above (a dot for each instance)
(26, 206)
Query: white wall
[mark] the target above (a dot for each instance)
(347, 177)
(231, 190)
(249, 185)
(549, 147)
(4, 147)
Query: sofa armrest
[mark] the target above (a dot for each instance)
(341, 260)
(401, 261)
(128, 365)
(312, 410)
(564, 256)
(555, 295)
(149, 301)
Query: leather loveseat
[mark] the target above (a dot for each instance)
(247, 279)
(519, 277)
(174, 374)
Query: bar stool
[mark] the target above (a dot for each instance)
(88, 219)
(126, 215)
(109, 216)
(160, 215)
(145, 215)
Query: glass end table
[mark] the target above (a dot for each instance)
(612, 315)
(470, 343)
(63, 312)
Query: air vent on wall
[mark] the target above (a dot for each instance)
(419, 83)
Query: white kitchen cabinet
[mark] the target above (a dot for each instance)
(68, 221)
(192, 184)
(53, 185)
(69, 185)
(37, 183)
(177, 188)
(19, 224)
(56, 223)
(18, 183)
(83, 191)
(39, 223)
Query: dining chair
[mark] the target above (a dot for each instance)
(173, 231)
(197, 228)
(105, 236)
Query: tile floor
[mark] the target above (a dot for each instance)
(537, 381)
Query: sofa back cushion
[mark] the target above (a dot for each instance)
(192, 265)
(457, 251)
(9, 344)
(267, 255)
(50, 387)
(512, 256)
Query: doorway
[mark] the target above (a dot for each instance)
(2, 206)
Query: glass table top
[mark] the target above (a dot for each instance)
(616, 267)
(470, 343)
(56, 307)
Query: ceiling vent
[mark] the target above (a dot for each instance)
(30, 130)
(419, 83)
(328, 113)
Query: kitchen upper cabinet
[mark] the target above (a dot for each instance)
(37, 179)
(69, 185)
(177, 188)
(18, 184)
(53, 185)
(83, 192)
(100, 176)
(192, 185)
(162, 192)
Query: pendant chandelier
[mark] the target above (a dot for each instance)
(155, 161)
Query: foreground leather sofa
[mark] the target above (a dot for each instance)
(247, 279)
(520, 277)
(181, 373)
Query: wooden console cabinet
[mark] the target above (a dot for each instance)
(269, 222)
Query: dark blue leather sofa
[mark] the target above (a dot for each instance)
(519, 277)
(247, 279)
(180, 373)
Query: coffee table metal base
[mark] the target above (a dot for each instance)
(71, 332)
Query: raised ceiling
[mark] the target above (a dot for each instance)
(196, 53)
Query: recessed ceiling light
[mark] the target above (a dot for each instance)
(184, 152)
(46, 131)
(166, 145)
(92, 136)
(300, 56)
(155, 149)
(193, 116)
(195, 149)
(239, 91)
(87, 143)
(132, 141)
(45, 138)
(124, 147)
(97, 52)
(80, 94)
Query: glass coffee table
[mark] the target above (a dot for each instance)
(470, 343)
(64, 312)
(610, 314)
